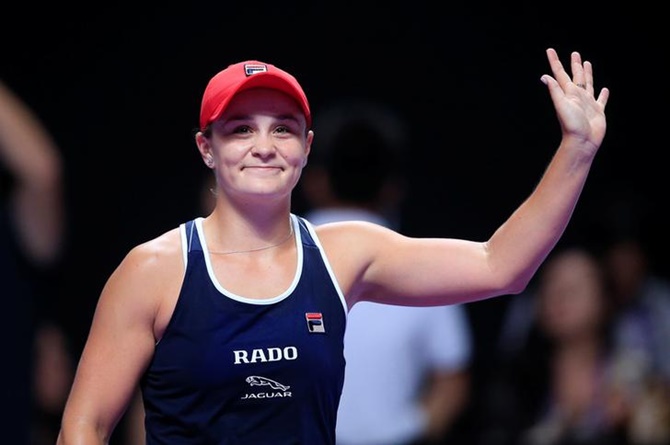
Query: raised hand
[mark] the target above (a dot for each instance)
(580, 114)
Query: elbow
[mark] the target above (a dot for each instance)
(497, 288)
(511, 279)
(517, 287)
(519, 282)
(514, 283)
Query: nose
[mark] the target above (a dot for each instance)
(263, 146)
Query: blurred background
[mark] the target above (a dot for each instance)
(120, 91)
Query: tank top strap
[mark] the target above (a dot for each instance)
(192, 236)
(305, 232)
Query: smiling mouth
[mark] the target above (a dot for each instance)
(263, 167)
(263, 171)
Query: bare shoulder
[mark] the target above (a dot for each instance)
(157, 252)
(157, 256)
(148, 279)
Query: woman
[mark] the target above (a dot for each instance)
(568, 359)
(233, 324)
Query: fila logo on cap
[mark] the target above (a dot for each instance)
(251, 68)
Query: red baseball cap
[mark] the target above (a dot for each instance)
(244, 75)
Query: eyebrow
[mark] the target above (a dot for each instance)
(246, 117)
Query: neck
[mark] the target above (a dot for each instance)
(251, 240)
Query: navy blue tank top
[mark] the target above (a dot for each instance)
(231, 370)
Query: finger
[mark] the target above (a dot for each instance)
(603, 97)
(588, 76)
(561, 76)
(578, 76)
(555, 89)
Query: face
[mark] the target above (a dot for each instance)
(259, 146)
(571, 296)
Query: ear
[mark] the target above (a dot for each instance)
(205, 149)
(308, 146)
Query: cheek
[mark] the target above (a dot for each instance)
(296, 159)
(232, 152)
(297, 164)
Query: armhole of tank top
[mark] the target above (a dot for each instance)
(333, 278)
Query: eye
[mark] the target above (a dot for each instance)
(242, 129)
(287, 127)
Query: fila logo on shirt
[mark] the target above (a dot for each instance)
(315, 322)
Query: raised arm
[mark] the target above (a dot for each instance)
(520, 245)
(403, 270)
(32, 158)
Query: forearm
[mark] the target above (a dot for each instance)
(26, 148)
(519, 246)
(31, 157)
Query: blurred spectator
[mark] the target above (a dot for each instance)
(641, 337)
(407, 374)
(567, 382)
(640, 294)
(32, 237)
(642, 303)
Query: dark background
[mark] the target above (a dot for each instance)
(120, 90)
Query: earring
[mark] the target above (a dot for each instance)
(209, 162)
